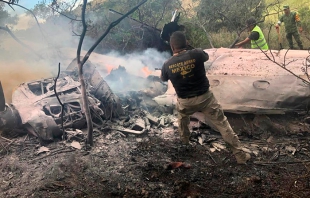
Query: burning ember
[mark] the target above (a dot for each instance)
(109, 68)
(146, 71)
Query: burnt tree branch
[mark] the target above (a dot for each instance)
(10, 3)
(11, 7)
(85, 58)
(162, 15)
(142, 23)
(62, 105)
(198, 22)
(112, 25)
(283, 66)
(15, 3)
(35, 17)
(62, 14)
(82, 81)
(307, 65)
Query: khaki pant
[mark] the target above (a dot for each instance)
(209, 106)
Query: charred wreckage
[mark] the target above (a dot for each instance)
(243, 80)
(36, 110)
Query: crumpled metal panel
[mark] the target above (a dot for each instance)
(35, 91)
(269, 94)
(252, 62)
(30, 105)
(39, 109)
(245, 81)
(44, 126)
(36, 108)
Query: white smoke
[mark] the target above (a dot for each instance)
(26, 21)
(56, 43)
(136, 61)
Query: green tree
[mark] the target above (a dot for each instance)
(230, 14)
(138, 33)
(305, 19)
(213, 16)
(42, 10)
(155, 13)
(53, 9)
(5, 17)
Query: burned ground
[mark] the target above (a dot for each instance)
(154, 164)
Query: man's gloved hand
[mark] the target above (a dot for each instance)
(300, 29)
(277, 27)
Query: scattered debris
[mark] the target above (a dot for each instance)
(6, 139)
(275, 156)
(42, 149)
(217, 146)
(36, 109)
(246, 150)
(152, 119)
(147, 123)
(264, 123)
(270, 139)
(130, 131)
(139, 124)
(134, 136)
(76, 145)
(75, 134)
(290, 149)
(175, 165)
(200, 140)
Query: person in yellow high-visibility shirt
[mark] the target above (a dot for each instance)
(256, 37)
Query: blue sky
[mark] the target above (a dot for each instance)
(28, 4)
(31, 3)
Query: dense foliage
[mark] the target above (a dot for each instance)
(212, 23)
(5, 17)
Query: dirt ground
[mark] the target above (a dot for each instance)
(127, 165)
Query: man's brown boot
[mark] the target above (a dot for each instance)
(242, 157)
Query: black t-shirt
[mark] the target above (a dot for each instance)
(187, 73)
(254, 36)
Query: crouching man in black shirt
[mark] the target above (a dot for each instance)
(185, 69)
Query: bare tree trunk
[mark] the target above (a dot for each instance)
(80, 64)
(86, 106)
(82, 81)
(208, 36)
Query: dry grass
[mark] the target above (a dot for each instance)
(225, 38)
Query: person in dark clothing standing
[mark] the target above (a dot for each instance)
(185, 69)
(291, 22)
